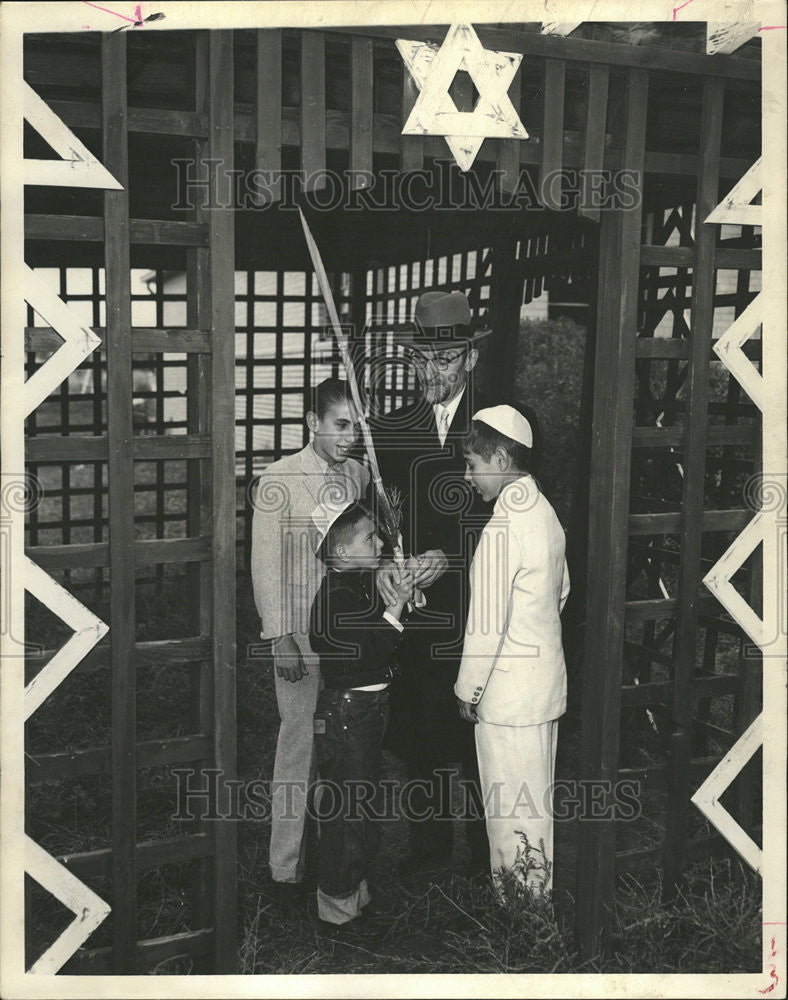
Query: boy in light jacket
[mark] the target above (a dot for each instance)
(512, 678)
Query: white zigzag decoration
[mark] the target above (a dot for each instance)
(78, 167)
(707, 797)
(78, 341)
(88, 630)
(562, 28)
(90, 909)
(735, 208)
(728, 349)
(728, 36)
(719, 576)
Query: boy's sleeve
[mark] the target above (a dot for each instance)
(564, 587)
(342, 630)
(490, 582)
(266, 563)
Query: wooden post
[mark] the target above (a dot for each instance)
(506, 298)
(268, 114)
(694, 462)
(198, 496)
(313, 109)
(552, 151)
(611, 446)
(121, 508)
(221, 294)
(361, 89)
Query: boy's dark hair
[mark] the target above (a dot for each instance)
(328, 392)
(483, 440)
(343, 529)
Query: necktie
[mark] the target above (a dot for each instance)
(443, 426)
(335, 485)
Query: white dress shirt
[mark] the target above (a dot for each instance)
(451, 409)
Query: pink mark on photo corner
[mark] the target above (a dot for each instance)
(677, 9)
(772, 27)
(132, 20)
(775, 979)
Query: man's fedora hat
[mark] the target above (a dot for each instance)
(440, 319)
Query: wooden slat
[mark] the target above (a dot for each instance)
(71, 448)
(579, 50)
(153, 121)
(670, 524)
(155, 447)
(313, 109)
(618, 298)
(150, 232)
(360, 112)
(198, 493)
(701, 847)
(552, 145)
(220, 293)
(410, 147)
(657, 778)
(121, 512)
(145, 340)
(506, 296)
(157, 551)
(98, 760)
(663, 607)
(150, 854)
(717, 434)
(739, 259)
(175, 341)
(662, 347)
(730, 259)
(146, 551)
(660, 692)
(595, 135)
(268, 113)
(149, 954)
(159, 652)
(509, 149)
(74, 448)
(387, 138)
(694, 464)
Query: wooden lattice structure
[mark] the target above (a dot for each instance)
(657, 425)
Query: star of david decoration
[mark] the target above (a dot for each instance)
(433, 70)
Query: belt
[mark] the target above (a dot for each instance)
(358, 696)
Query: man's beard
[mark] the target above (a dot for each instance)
(439, 392)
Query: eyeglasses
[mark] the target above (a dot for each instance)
(441, 360)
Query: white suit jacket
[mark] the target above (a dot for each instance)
(286, 574)
(513, 666)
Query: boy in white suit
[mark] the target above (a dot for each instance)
(512, 678)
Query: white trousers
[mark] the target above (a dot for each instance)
(294, 767)
(517, 769)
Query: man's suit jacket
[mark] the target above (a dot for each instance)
(513, 666)
(440, 511)
(286, 574)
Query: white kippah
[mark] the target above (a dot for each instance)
(508, 421)
(323, 516)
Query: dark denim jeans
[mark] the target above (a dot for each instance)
(349, 730)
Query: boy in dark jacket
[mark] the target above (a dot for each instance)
(355, 636)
